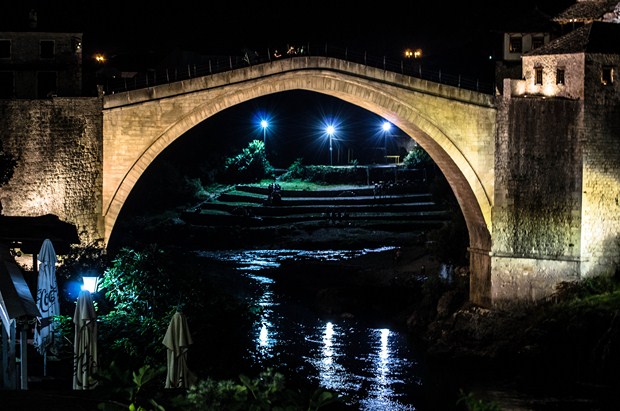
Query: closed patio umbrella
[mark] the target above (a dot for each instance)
(177, 340)
(85, 358)
(47, 300)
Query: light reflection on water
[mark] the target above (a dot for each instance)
(371, 367)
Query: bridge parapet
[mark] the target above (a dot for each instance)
(409, 67)
(278, 67)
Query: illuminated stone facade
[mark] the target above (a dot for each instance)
(58, 147)
(556, 214)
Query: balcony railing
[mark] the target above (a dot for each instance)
(409, 67)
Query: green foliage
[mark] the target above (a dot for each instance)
(265, 393)
(249, 166)
(137, 284)
(474, 404)
(64, 329)
(127, 390)
(296, 171)
(143, 288)
(320, 174)
(417, 158)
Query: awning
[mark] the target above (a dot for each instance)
(29, 232)
(16, 300)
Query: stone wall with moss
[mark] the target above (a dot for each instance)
(537, 211)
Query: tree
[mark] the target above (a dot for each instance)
(250, 165)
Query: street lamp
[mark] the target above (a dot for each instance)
(90, 282)
(386, 127)
(264, 124)
(330, 130)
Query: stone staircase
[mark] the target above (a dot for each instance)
(394, 208)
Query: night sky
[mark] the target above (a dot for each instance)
(383, 27)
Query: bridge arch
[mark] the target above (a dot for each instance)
(455, 126)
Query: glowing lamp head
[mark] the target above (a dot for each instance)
(264, 124)
(386, 126)
(90, 282)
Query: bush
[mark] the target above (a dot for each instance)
(417, 157)
(265, 393)
(143, 288)
(249, 166)
(325, 174)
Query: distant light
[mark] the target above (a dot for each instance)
(264, 124)
(416, 54)
(100, 58)
(90, 283)
(386, 126)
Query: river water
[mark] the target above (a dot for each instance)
(373, 368)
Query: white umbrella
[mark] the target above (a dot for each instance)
(178, 340)
(85, 358)
(47, 300)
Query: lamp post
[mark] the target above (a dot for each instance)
(387, 126)
(330, 130)
(264, 124)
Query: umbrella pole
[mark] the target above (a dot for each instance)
(45, 363)
(23, 357)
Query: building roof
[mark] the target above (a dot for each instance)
(596, 37)
(29, 232)
(589, 10)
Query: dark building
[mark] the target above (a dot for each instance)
(40, 64)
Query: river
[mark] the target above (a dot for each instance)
(374, 368)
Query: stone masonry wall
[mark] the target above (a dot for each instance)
(600, 245)
(538, 180)
(536, 215)
(58, 146)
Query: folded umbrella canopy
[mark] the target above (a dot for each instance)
(85, 360)
(177, 340)
(16, 307)
(47, 300)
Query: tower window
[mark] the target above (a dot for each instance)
(538, 75)
(607, 76)
(537, 42)
(516, 44)
(559, 76)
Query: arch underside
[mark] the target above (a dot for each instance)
(470, 191)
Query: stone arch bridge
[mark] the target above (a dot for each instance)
(525, 235)
(455, 126)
